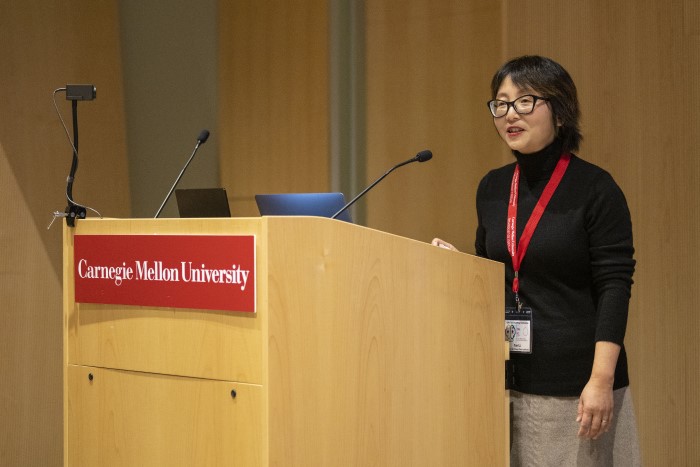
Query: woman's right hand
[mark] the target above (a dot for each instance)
(443, 244)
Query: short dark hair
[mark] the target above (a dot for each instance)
(545, 76)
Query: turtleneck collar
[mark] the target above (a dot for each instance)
(539, 165)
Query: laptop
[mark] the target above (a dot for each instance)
(302, 204)
(202, 202)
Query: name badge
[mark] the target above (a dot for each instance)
(519, 329)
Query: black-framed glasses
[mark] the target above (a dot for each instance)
(523, 105)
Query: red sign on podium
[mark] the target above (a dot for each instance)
(211, 272)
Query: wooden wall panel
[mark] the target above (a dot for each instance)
(684, 207)
(636, 67)
(169, 57)
(45, 45)
(273, 91)
(429, 66)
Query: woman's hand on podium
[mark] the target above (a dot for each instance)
(443, 244)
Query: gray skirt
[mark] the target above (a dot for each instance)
(545, 433)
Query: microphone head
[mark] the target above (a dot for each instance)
(203, 136)
(424, 155)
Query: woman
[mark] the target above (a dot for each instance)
(569, 269)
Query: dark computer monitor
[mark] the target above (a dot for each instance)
(202, 202)
(302, 204)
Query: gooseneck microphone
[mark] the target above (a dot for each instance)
(422, 156)
(201, 139)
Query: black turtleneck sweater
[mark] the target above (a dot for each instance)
(577, 272)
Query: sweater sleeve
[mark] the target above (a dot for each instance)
(611, 251)
(480, 241)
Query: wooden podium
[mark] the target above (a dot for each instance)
(367, 349)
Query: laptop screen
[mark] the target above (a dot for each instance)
(302, 204)
(202, 202)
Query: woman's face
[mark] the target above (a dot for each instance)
(524, 133)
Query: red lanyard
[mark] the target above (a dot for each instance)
(518, 254)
